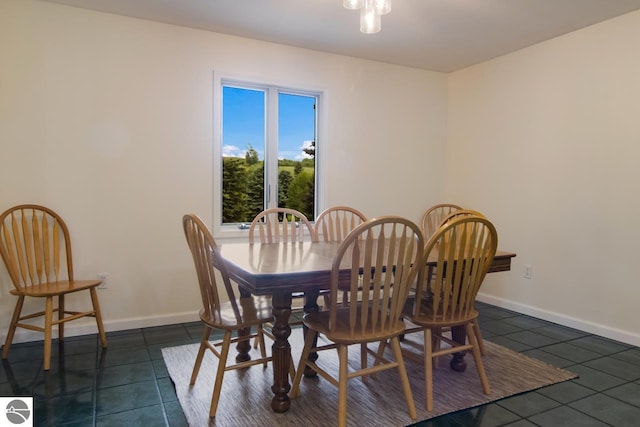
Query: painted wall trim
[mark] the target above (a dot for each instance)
(74, 329)
(624, 336)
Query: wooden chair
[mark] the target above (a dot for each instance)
(370, 249)
(332, 225)
(457, 214)
(433, 217)
(464, 249)
(281, 225)
(231, 316)
(36, 248)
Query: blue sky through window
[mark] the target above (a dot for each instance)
(244, 123)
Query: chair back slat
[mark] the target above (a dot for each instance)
(464, 249)
(333, 224)
(278, 225)
(209, 265)
(35, 246)
(433, 217)
(385, 253)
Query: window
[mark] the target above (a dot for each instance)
(265, 144)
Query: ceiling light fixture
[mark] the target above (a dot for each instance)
(370, 13)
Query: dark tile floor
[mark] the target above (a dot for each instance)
(128, 383)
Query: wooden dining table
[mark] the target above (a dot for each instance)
(279, 270)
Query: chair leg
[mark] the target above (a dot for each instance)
(256, 340)
(381, 347)
(222, 363)
(203, 346)
(428, 367)
(436, 344)
(262, 345)
(478, 358)
(363, 360)
(476, 328)
(343, 356)
(12, 326)
(96, 308)
(60, 317)
(292, 369)
(404, 378)
(48, 325)
(327, 301)
(308, 344)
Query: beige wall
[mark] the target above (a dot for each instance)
(546, 142)
(108, 120)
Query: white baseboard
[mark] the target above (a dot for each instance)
(627, 337)
(86, 327)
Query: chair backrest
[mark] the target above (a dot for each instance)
(280, 225)
(463, 250)
(375, 247)
(35, 246)
(207, 260)
(460, 213)
(333, 224)
(433, 217)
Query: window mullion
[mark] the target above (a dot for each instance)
(271, 150)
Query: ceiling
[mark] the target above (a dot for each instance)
(438, 35)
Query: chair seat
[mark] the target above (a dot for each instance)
(254, 310)
(56, 288)
(341, 332)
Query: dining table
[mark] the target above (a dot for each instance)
(281, 269)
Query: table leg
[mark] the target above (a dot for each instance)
(281, 351)
(310, 306)
(244, 347)
(458, 334)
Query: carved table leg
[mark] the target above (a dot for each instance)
(310, 306)
(244, 347)
(281, 351)
(457, 363)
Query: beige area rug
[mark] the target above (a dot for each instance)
(246, 394)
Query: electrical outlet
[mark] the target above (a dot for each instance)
(528, 271)
(103, 277)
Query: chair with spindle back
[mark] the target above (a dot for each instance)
(36, 249)
(458, 214)
(230, 316)
(433, 217)
(277, 225)
(373, 247)
(464, 249)
(332, 225)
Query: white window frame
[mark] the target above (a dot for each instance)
(271, 161)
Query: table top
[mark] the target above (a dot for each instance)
(269, 268)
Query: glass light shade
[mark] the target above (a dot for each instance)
(369, 19)
(383, 6)
(353, 4)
